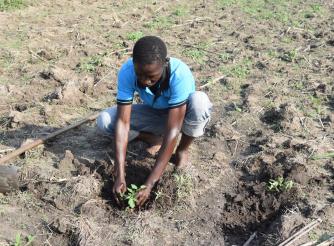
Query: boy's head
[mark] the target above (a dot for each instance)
(149, 58)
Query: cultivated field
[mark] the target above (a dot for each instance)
(265, 164)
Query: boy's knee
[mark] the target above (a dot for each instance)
(105, 121)
(198, 114)
(199, 106)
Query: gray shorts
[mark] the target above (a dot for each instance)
(147, 119)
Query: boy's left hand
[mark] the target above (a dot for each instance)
(143, 195)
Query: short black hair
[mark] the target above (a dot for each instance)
(149, 49)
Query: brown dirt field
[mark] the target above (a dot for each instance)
(268, 68)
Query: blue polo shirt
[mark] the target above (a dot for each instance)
(181, 85)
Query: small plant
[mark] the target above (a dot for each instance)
(289, 56)
(30, 239)
(240, 70)
(195, 54)
(180, 11)
(18, 240)
(134, 36)
(90, 64)
(184, 185)
(237, 108)
(162, 22)
(130, 195)
(280, 184)
(225, 57)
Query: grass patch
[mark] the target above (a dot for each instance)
(195, 54)
(6, 5)
(239, 70)
(90, 64)
(184, 186)
(134, 36)
(161, 22)
(180, 11)
(283, 11)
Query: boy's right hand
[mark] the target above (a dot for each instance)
(119, 188)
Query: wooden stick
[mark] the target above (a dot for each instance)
(301, 232)
(250, 239)
(42, 140)
(6, 150)
(212, 82)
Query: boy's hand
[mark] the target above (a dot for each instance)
(143, 195)
(119, 188)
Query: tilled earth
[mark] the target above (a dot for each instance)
(268, 68)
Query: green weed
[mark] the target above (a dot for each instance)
(91, 63)
(289, 56)
(225, 57)
(279, 184)
(130, 195)
(184, 185)
(238, 109)
(19, 240)
(313, 236)
(134, 36)
(195, 54)
(240, 70)
(6, 5)
(264, 9)
(180, 11)
(162, 22)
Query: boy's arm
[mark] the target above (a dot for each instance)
(174, 124)
(121, 140)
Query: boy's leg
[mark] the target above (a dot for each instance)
(196, 119)
(146, 123)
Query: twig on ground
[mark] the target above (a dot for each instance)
(212, 82)
(198, 19)
(235, 148)
(322, 124)
(250, 239)
(109, 157)
(6, 150)
(132, 153)
(311, 243)
(301, 232)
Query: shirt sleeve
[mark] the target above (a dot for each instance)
(182, 85)
(125, 85)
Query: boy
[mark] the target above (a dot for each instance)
(170, 105)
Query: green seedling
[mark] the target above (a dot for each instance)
(238, 109)
(180, 11)
(279, 184)
(18, 241)
(131, 193)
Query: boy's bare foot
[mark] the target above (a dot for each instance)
(181, 159)
(153, 140)
(152, 150)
